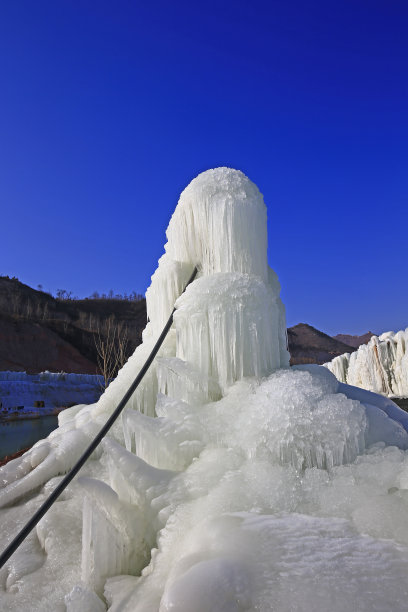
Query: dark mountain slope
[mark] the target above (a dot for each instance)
(39, 332)
(309, 345)
(34, 347)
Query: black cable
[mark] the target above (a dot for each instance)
(12, 547)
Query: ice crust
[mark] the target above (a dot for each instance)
(232, 482)
(380, 366)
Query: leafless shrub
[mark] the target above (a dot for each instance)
(111, 343)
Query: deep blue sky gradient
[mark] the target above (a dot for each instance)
(109, 109)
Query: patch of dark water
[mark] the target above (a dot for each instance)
(23, 433)
(402, 402)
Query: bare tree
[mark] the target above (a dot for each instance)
(122, 345)
(111, 342)
(29, 309)
(63, 294)
(15, 303)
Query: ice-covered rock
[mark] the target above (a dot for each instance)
(232, 482)
(380, 366)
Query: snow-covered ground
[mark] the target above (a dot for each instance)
(55, 390)
(233, 482)
(380, 366)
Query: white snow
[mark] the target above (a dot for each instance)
(232, 482)
(380, 366)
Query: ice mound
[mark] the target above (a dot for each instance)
(380, 366)
(232, 482)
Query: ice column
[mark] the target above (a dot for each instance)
(231, 322)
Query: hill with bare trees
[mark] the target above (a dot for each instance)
(40, 332)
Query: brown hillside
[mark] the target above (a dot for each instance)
(33, 347)
(39, 332)
(309, 345)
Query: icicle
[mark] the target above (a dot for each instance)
(112, 536)
(132, 478)
(162, 442)
(180, 380)
(227, 327)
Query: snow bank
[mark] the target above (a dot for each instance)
(380, 366)
(232, 482)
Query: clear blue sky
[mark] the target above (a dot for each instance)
(109, 109)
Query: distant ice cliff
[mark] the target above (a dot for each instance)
(380, 366)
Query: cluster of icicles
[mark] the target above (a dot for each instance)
(380, 366)
(232, 480)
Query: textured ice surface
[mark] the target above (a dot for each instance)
(228, 327)
(220, 224)
(232, 482)
(380, 366)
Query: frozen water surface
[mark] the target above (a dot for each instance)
(232, 482)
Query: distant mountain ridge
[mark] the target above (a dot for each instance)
(309, 345)
(355, 341)
(39, 332)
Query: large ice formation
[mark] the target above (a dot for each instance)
(233, 482)
(380, 366)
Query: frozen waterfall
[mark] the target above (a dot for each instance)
(380, 366)
(232, 482)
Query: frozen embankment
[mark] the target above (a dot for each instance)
(19, 389)
(380, 366)
(233, 482)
